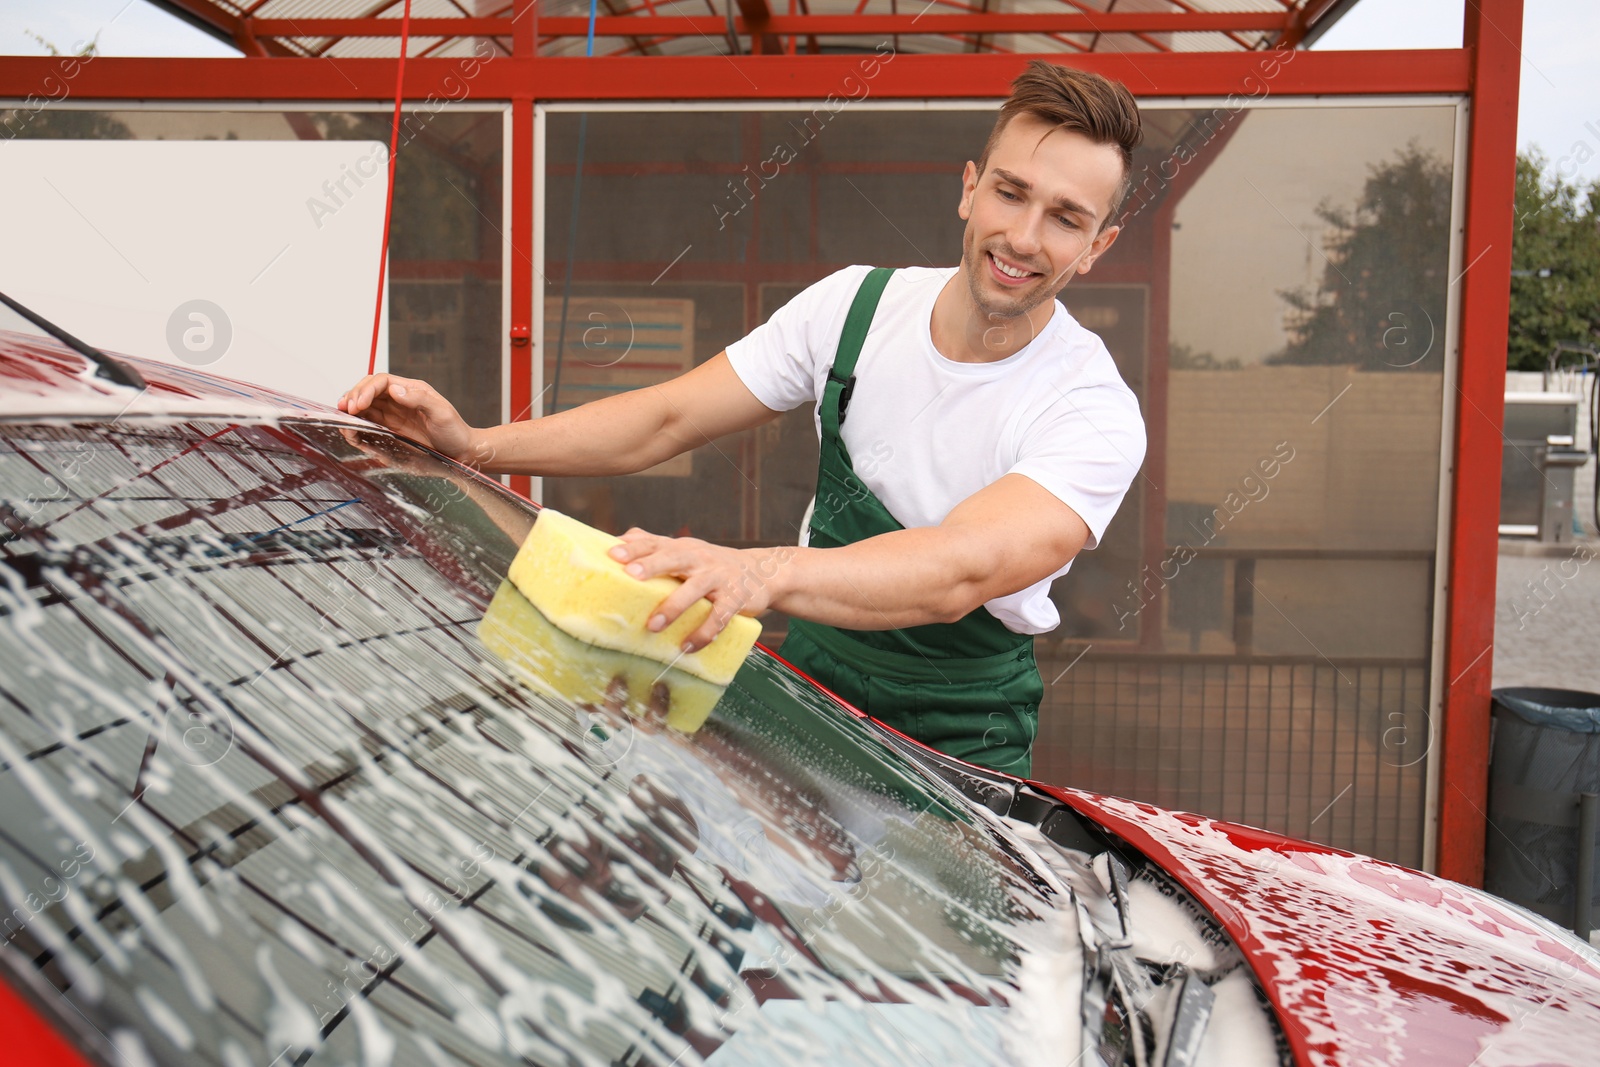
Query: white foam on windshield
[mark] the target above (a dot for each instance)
(307, 812)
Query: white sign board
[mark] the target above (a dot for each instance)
(255, 260)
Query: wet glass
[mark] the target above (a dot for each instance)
(1251, 637)
(269, 793)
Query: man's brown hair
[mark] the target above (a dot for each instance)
(1077, 100)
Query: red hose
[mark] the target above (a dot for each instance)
(388, 201)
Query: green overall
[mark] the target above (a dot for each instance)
(969, 688)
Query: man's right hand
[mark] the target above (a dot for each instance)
(413, 409)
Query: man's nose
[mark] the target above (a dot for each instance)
(1025, 235)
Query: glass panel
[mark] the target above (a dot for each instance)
(1277, 301)
(271, 794)
(445, 237)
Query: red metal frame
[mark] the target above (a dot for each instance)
(747, 25)
(721, 77)
(1493, 35)
(1486, 68)
(521, 280)
(642, 23)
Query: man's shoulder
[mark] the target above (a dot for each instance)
(1088, 347)
(924, 275)
(831, 291)
(1089, 372)
(828, 299)
(849, 279)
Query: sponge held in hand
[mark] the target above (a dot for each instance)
(564, 571)
(561, 666)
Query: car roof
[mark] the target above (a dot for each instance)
(41, 377)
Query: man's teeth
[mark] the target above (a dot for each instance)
(1010, 272)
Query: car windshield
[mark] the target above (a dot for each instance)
(288, 775)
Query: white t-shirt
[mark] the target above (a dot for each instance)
(925, 432)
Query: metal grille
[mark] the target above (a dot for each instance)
(1329, 751)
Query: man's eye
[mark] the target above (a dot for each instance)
(1008, 194)
(1069, 223)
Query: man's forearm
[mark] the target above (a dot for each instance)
(620, 434)
(1004, 538)
(904, 578)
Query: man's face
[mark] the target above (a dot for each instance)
(1034, 216)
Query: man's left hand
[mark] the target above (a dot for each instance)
(736, 581)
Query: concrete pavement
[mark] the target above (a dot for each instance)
(1547, 617)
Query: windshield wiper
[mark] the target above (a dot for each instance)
(113, 371)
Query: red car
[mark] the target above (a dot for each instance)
(289, 775)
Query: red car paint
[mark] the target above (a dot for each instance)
(1369, 962)
(29, 1039)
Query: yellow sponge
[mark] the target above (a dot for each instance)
(564, 571)
(568, 669)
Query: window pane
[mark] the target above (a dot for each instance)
(1276, 298)
(445, 238)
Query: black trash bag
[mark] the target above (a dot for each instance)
(1546, 751)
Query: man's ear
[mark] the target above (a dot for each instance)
(1103, 240)
(969, 187)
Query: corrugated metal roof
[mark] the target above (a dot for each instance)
(229, 16)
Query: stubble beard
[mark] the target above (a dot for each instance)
(998, 312)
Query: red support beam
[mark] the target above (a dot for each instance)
(1493, 37)
(359, 27)
(1303, 19)
(756, 20)
(236, 28)
(717, 77)
(525, 29)
(524, 346)
(753, 22)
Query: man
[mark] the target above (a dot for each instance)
(974, 439)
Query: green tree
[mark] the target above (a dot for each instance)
(1557, 242)
(1381, 302)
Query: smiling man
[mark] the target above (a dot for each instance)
(974, 439)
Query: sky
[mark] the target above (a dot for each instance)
(1559, 109)
(1559, 97)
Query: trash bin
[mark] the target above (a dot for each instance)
(1544, 797)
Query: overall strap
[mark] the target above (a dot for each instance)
(842, 375)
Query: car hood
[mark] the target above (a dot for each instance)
(1368, 962)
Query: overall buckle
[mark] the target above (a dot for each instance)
(849, 386)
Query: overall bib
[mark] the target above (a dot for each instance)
(969, 688)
